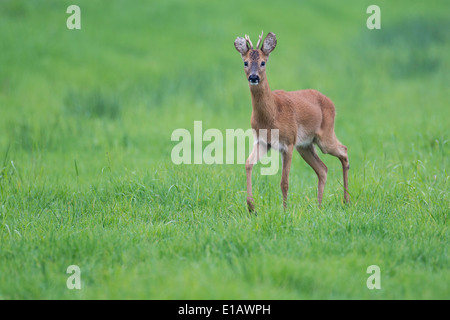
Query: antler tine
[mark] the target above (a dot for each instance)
(247, 38)
(259, 40)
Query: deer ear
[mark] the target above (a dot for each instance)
(270, 42)
(241, 45)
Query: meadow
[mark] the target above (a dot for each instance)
(86, 176)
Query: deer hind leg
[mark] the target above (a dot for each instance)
(330, 144)
(310, 156)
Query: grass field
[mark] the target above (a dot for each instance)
(86, 176)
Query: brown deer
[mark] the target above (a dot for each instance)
(303, 118)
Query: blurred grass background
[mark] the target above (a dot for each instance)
(86, 178)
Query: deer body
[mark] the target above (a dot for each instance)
(303, 118)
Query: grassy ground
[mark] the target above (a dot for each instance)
(86, 177)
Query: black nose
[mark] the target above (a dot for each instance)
(253, 78)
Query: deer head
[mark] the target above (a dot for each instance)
(255, 59)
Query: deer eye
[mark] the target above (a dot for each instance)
(246, 63)
(263, 64)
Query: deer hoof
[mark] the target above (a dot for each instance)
(250, 205)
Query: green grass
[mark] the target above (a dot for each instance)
(86, 178)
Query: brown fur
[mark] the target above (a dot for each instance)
(302, 117)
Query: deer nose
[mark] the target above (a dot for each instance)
(253, 79)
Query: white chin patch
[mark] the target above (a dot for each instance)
(254, 83)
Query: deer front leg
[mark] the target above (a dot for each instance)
(287, 157)
(259, 150)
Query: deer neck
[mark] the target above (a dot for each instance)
(262, 102)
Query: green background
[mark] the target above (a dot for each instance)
(86, 177)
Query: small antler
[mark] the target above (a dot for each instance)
(259, 40)
(250, 44)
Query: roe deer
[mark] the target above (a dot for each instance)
(303, 118)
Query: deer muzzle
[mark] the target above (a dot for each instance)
(253, 79)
